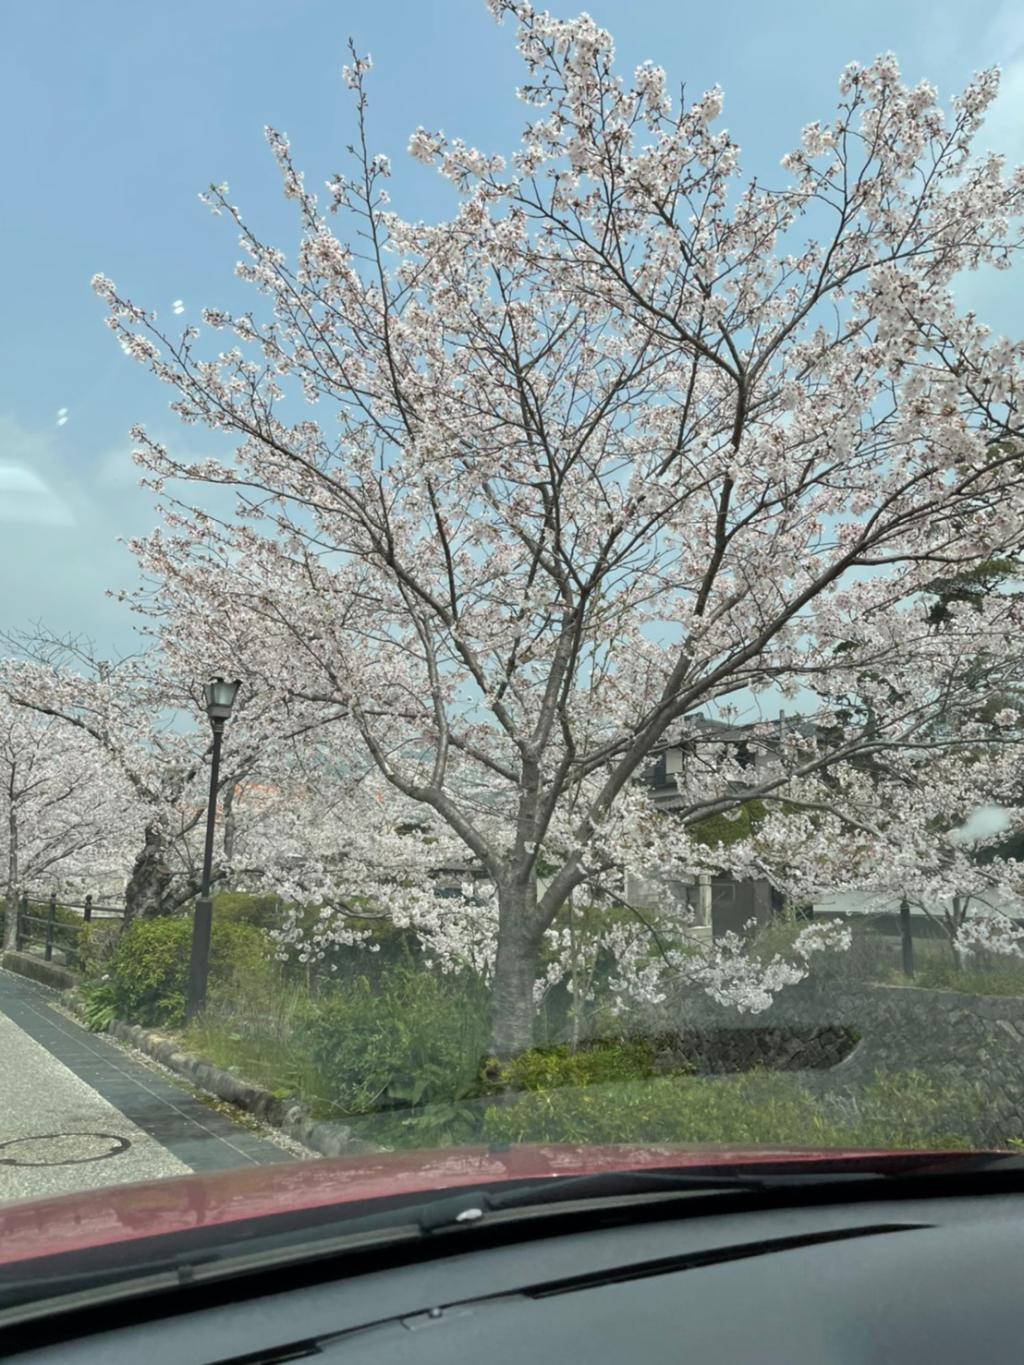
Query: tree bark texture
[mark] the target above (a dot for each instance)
(11, 897)
(515, 971)
(147, 894)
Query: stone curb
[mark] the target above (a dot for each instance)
(38, 969)
(329, 1139)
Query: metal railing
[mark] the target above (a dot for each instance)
(43, 933)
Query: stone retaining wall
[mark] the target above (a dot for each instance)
(720, 1051)
(38, 969)
(977, 1040)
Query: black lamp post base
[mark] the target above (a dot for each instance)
(199, 962)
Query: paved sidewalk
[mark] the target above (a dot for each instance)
(77, 1112)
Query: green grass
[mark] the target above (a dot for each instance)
(409, 1038)
(874, 959)
(756, 1109)
(402, 1058)
(1004, 977)
(405, 1070)
(256, 1033)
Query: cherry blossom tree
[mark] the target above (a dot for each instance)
(923, 825)
(64, 813)
(130, 713)
(622, 438)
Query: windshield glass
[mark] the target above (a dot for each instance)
(511, 661)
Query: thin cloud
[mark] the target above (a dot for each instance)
(25, 499)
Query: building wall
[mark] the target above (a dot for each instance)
(720, 904)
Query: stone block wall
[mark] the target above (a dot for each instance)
(840, 1037)
(719, 1051)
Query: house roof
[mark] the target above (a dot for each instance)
(700, 728)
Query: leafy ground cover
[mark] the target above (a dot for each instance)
(401, 1055)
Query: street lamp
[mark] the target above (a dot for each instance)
(219, 696)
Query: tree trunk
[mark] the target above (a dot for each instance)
(11, 897)
(953, 923)
(515, 971)
(11, 920)
(574, 974)
(514, 1010)
(147, 894)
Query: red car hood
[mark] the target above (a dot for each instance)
(127, 1213)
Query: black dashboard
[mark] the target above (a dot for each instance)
(930, 1280)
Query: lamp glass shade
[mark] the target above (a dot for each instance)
(219, 695)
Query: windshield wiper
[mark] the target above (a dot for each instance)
(816, 1181)
(470, 1206)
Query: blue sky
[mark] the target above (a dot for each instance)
(119, 113)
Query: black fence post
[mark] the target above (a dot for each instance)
(906, 938)
(75, 935)
(19, 938)
(51, 918)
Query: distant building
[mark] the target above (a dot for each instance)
(722, 903)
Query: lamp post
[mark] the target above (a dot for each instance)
(906, 937)
(219, 696)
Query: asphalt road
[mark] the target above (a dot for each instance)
(77, 1111)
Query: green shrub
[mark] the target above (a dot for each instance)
(729, 828)
(412, 1038)
(387, 945)
(97, 944)
(387, 949)
(237, 951)
(99, 1005)
(147, 971)
(240, 907)
(556, 1066)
